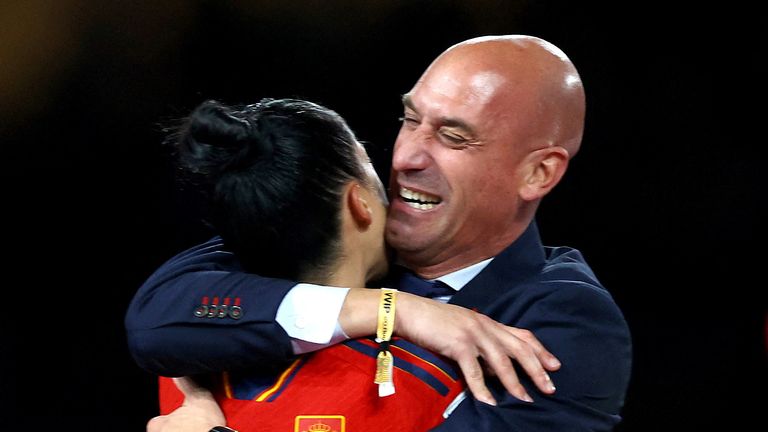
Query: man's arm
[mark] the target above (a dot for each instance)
(167, 337)
(461, 335)
(198, 313)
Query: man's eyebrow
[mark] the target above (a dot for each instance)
(443, 121)
(407, 102)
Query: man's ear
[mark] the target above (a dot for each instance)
(543, 170)
(357, 203)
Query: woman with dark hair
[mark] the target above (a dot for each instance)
(274, 175)
(293, 194)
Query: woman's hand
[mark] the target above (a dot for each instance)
(198, 413)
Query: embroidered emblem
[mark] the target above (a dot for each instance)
(320, 423)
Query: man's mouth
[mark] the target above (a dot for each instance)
(419, 200)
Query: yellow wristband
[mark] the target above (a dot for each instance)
(386, 324)
(384, 330)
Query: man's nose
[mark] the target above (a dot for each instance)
(411, 153)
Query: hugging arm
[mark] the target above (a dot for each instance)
(167, 337)
(176, 324)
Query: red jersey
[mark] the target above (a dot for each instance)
(332, 390)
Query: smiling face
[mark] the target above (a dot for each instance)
(470, 126)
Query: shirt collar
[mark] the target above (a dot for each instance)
(521, 260)
(522, 257)
(461, 277)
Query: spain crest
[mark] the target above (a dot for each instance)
(319, 423)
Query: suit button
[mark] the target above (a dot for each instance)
(201, 311)
(301, 322)
(235, 312)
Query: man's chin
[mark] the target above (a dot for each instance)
(406, 241)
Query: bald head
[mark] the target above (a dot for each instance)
(529, 78)
(487, 132)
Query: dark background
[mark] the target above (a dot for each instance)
(666, 198)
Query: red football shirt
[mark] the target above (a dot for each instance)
(332, 390)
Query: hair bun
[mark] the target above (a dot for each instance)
(218, 139)
(214, 124)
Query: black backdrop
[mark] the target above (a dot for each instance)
(665, 198)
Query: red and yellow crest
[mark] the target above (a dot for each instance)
(319, 423)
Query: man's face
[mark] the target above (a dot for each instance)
(453, 187)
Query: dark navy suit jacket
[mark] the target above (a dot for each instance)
(549, 291)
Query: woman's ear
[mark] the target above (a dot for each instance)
(356, 198)
(544, 169)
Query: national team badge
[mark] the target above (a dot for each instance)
(319, 423)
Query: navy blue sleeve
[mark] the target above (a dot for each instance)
(200, 313)
(582, 326)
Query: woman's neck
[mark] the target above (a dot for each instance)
(345, 272)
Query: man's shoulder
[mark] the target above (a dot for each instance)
(566, 265)
(204, 257)
(563, 277)
(567, 282)
(212, 252)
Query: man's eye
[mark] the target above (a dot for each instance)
(456, 139)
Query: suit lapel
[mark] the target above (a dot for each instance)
(519, 261)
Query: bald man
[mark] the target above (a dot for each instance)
(487, 132)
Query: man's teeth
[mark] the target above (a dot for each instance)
(419, 200)
(420, 206)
